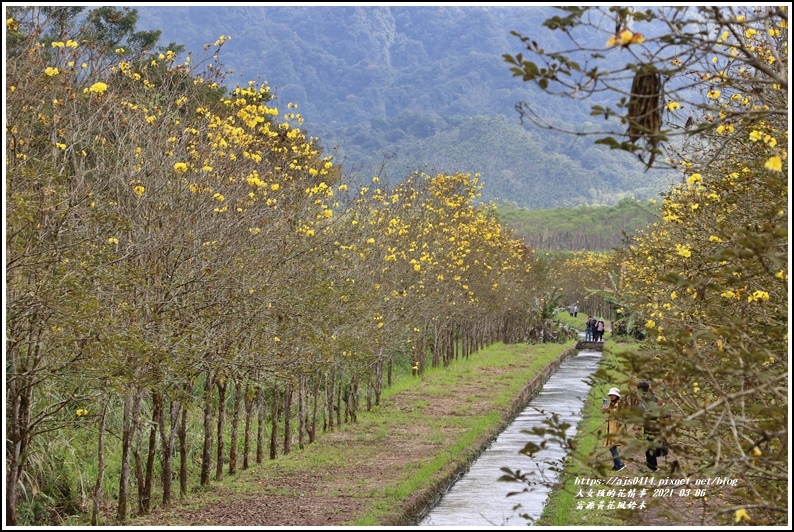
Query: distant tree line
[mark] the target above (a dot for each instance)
(582, 228)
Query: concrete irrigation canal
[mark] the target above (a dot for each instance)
(478, 498)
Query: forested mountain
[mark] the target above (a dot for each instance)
(390, 89)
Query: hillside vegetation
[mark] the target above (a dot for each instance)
(393, 89)
(580, 228)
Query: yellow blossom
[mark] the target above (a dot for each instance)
(50, 71)
(755, 136)
(139, 190)
(741, 513)
(713, 94)
(714, 238)
(672, 106)
(650, 324)
(113, 240)
(180, 168)
(758, 295)
(694, 178)
(774, 164)
(625, 36)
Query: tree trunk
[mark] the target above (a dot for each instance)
(260, 425)
(301, 411)
(313, 430)
(378, 377)
(126, 446)
(274, 423)
(183, 451)
(350, 404)
(249, 412)
(136, 450)
(436, 344)
(19, 398)
(100, 459)
(287, 418)
(329, 398)
(238, 400)
(338, 407)
(206, 455)
(221, 383)
(369, 392)
(157, 413)
(167, 444)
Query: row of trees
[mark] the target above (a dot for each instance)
(580, 228)
(708, 283)
(178, 254)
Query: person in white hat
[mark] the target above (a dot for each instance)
(611, 405)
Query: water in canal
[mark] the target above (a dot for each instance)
(478, 498)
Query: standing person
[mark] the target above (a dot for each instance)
(576, 310)
(610, 408)
(649, 404)
(588, 330)
(600, 330)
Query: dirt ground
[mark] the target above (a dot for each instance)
(331, 495)
(341, 491)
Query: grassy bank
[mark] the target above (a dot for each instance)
(390, 465)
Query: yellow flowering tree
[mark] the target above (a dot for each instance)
(709, 279)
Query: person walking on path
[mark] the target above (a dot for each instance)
(610, 408)
(649, 404)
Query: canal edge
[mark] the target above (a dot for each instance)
(419, 505)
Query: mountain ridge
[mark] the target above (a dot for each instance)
(391, 88)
